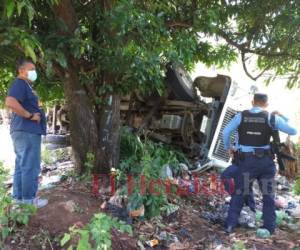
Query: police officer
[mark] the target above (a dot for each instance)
(255, 158)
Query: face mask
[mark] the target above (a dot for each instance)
(32, 75)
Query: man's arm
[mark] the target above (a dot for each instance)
(13, 104)
(281, 123)
(281, 115)
(16, 96)
(230, 127)
(16, 107)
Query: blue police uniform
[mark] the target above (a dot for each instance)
(231, 173)
(253, 167)
(26, 137)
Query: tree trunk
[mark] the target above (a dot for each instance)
(83, 126)
(90, 132)
(109, 134)
(109, 126)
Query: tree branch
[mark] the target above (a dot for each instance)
(178, 24)
(65, 11)
(244, 47)
(254, 78)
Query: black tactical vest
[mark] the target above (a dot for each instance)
(254, 129)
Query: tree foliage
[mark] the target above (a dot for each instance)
(269, 29)
(135, 39)
(95, 51)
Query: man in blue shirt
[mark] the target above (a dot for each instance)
(27, 125)
(255, 158)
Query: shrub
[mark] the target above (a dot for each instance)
(98, 231)
(11, 214)
(145, 158)
(297, 184)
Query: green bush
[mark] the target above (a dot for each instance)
(98, 231)
(51, 156)
(297, 184)
(11, 214)
(47, 156)
(145, 158)
(298, 153)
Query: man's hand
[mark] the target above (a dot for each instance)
(36, 117)
(277, 113)
(231, 152)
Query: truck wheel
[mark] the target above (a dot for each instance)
(57, 139)
(180, 83)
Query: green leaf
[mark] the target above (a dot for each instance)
(65, 239)
(61, 59)
(83, 243)
(5, 232)
(25, 220)
(106, 243)
(149, 201)
(125, 229)
(20, 6)
(30, 52)
(30, 13)
(10, 6)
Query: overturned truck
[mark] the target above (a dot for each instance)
(190, 115)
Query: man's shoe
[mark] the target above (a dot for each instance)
(39, 203)
(229, 229)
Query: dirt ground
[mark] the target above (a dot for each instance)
(47, 227)
(67, 206)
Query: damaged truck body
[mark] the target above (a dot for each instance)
(190, 114)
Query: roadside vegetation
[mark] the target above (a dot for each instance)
(12, 215)
(98, 231)
(297, 185)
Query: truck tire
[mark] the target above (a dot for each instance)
(57, 139)
(180, 83)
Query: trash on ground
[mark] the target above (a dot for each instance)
(179, 246)
(263, 233)
(50, 179)
(152, 243)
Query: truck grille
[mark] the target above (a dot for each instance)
(219, 151)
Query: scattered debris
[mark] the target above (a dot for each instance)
(281, 202)
(184, 234)
(179, 246)
(137, 212)
(296, 212)
(171, 209)
(70, 206)
(194, 222)
(119, 212)
(47, 186)
(263, 233)
(152, 243)
(50, 179)
(247, 218)
(167, 239)
(166, 172)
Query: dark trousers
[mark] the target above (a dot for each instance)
(228, 177)
(263, 170)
